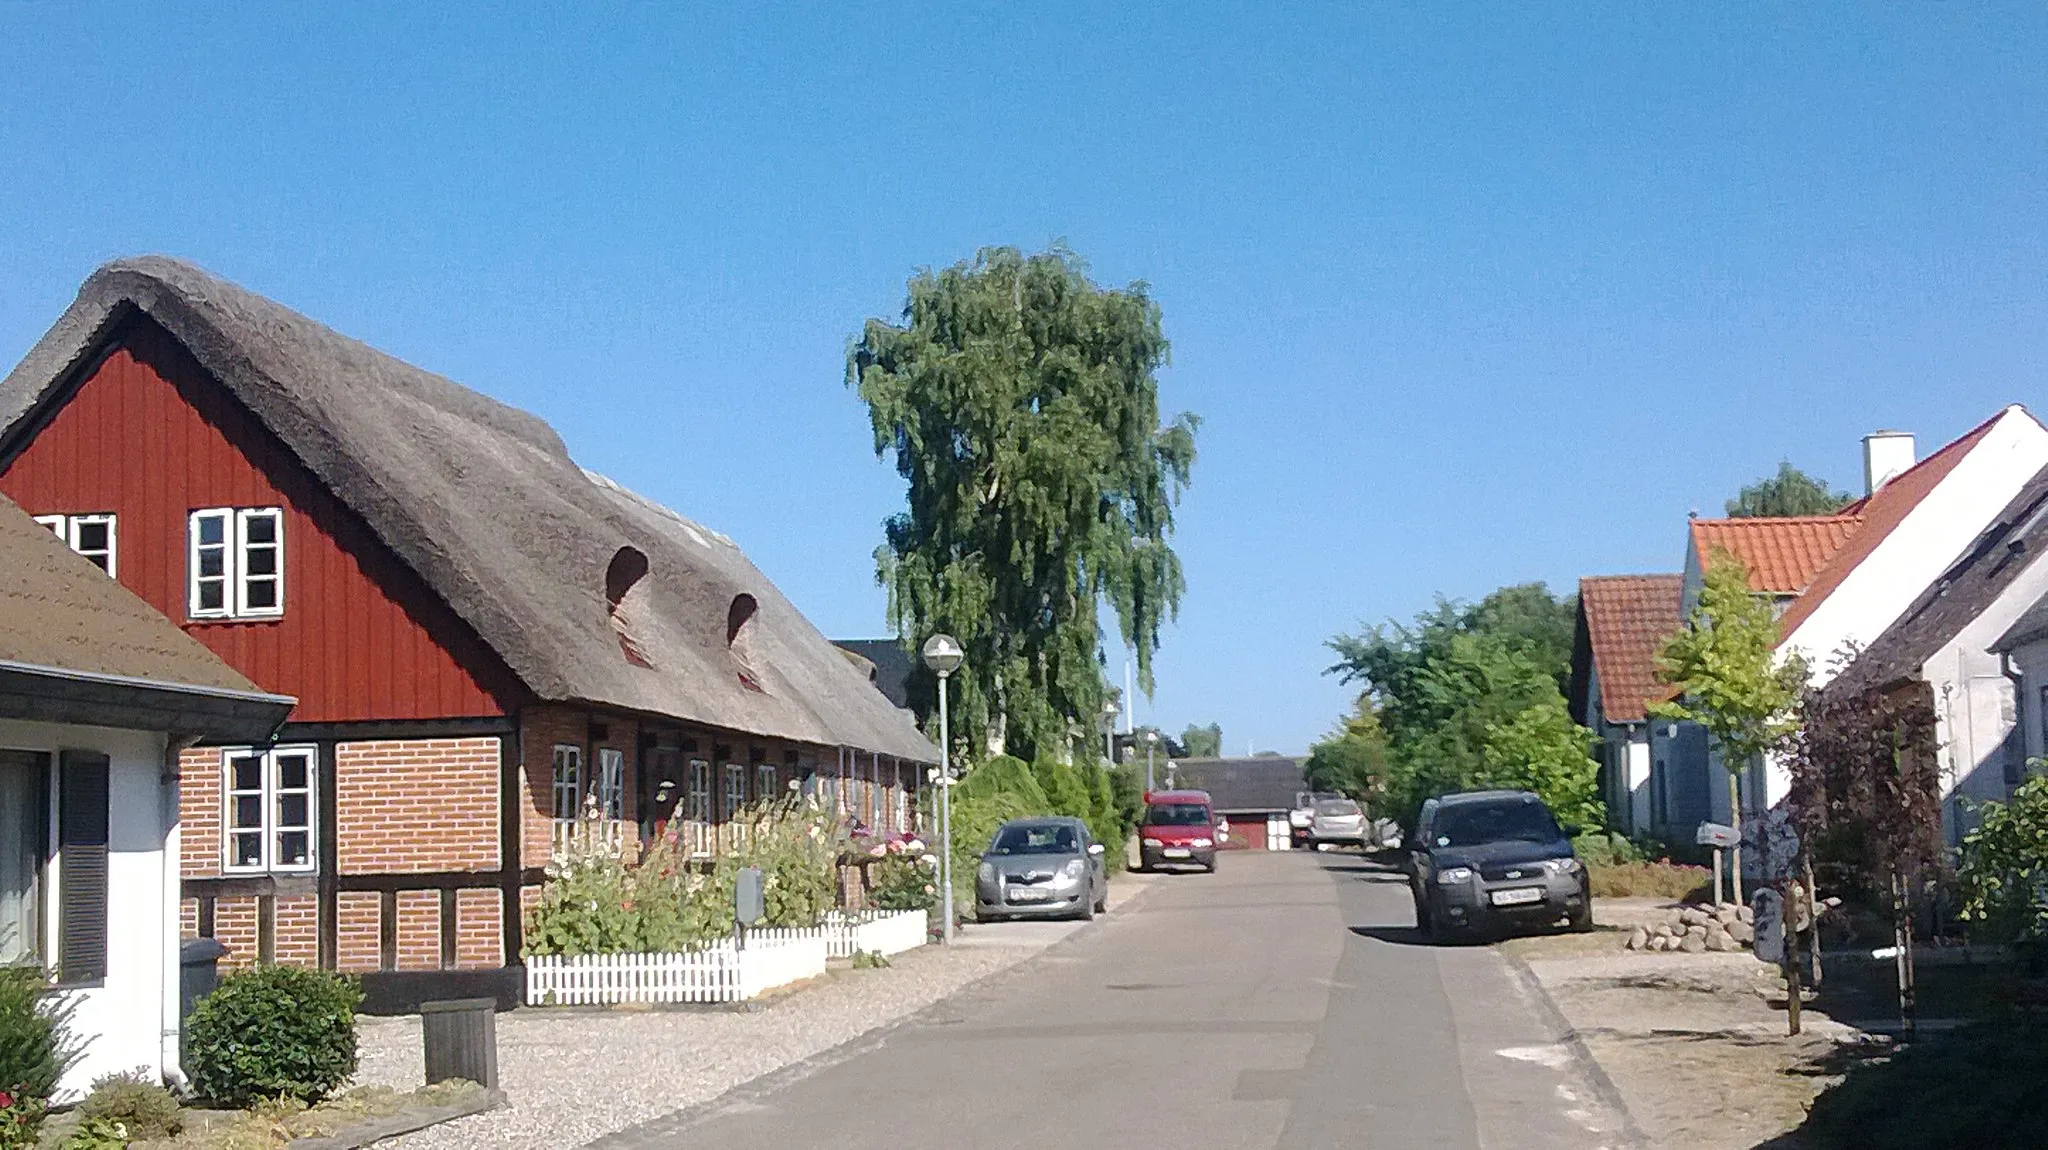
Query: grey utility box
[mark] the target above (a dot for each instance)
(462, 1040)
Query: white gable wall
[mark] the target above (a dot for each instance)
(131, 1020)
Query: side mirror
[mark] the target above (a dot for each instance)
(1096, 849)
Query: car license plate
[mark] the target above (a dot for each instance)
(1517, 896)
(1028, 894)
(1175, 852)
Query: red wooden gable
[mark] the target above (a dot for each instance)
(150, 436)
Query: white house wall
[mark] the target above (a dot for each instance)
(1977, 705)
(124, 1020)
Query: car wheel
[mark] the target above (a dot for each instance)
(1102, 903)
(1424, 924)
(1582, 918)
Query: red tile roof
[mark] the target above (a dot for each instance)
(1880, 512)
(1783, 554)
(1627, 619)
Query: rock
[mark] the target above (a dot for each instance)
(1725, 914)
(1660, 943)
(1662, 930)
(1742, 932)
(1694, 943)
(1638, 939)
(1745, 914)
(1696, 931)
(1718, 940)
(1692, 916)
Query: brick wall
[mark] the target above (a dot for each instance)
(479, 929)
(417, 806)
(419, 930)
(199, 813)
(234, 926)
(358, 942)
(541, 729)
(295, 936)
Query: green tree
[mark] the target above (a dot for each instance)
(1789, 492)
(1729, 679)
(1202, 742)
(1351, 760)
(1464, 697)
(1020, 404)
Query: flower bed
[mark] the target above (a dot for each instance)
(717, 973)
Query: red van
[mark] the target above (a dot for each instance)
(1178, 828)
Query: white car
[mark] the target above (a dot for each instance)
(1338, 821)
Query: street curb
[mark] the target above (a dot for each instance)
(662, 1129)
(1632, 1134)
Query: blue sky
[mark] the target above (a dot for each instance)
(1465, 295)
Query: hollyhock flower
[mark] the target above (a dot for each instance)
(6, 1100)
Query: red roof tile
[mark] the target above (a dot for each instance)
(1880, 512)
(1628, 618)
(1783, 554)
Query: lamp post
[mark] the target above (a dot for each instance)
(1151, 741)
(1109, 710)
(942, 654)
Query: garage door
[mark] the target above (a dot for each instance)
(1253, 830)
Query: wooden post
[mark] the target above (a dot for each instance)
(1717, 876)
(1790, 913)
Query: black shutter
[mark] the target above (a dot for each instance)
(82, 867)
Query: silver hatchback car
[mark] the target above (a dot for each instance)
(1041, 868)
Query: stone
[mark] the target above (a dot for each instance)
(1745, 914)
(1694, 944)
(1660, 943)
(1718, 940)
(1662, 930)
(1692, 916)
(1742, 932)
(1698, 930)
(1725, 914)
(1638, 939)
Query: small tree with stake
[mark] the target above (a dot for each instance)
(1867, 786)
(1724, 664)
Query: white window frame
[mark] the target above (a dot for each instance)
(568, 780)
(735, 797)
(766, 781)
(66, 529)
(700, 805)
(235, 548)
(271, 793)
(611, 784)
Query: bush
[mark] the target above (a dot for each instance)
(904, 878)
(595, 902)
(1607, 848)
(98, 1134)
(1977, 1086)
(2003, 876)
(36, 1048)
(1661, 879)
(143, 1108)
(271, 1032)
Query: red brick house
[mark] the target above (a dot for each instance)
(485, 640)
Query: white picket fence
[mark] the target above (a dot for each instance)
(720, 973)
(884, 932)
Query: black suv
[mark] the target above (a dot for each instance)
(1486, 861)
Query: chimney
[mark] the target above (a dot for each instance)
(1885, 455)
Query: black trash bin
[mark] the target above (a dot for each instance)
(198, 974)
(461, 1037)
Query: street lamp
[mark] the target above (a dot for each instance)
(942, 654)
(1109, 710)
(1151, 741)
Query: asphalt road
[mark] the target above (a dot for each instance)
(1281, 1002)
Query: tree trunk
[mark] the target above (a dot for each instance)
(1813, 947)
(1790, 910)
(1902, 944)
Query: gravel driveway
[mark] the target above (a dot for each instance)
(572, 1077)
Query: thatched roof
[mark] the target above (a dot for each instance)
(483, 501)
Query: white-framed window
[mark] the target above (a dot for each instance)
(235, 563)
(735, 789)
(765, 784)
(24, 826)
(700, 805)
(568, 783)
(902, 798)
(268, 815)
(90, 535)
(611, 783)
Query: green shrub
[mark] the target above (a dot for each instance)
(2003, 874)
(143, 1108)
(1978, 1086)
(36, 1048)
(1659, 879)
(904, 879)
(275, 1031)
(99, 1134)
(1607, 848)
(1065, 789)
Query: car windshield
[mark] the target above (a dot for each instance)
(1515, 821)
(1336, 807)
(1176, 815)
(1035, 839)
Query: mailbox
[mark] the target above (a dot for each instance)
(748, 897)
(1716, 835)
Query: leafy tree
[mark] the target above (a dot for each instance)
(1203, 742)
(1789, 492)
(1352, 760)
(1464, 697)
(1020, 404)
(2004, 871)
(1724, 664)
